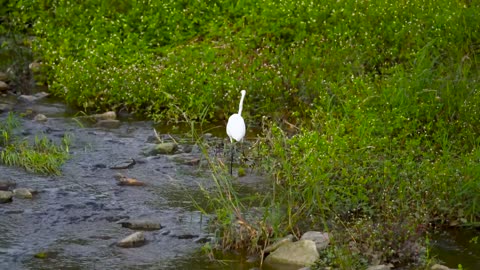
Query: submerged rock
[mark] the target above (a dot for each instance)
(6, 184)
(122, 180)
(136, 239)
(5, 196)
(127, 164)
(186, 159)
(105, 116)
(23, 193)
(108, 123)
(321, 239)
(33, 98)
(161, 148)
(40, 118)
(5, 107)
(300, 253)
(146, 225)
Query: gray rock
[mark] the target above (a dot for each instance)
(108, 123)
(161, 148)
(35, 67)
(300, 253)
(321, 239)
(380, 267)
(145, 225)
(23, 193)
(127, 164)
(3, 86)
(136, 239)
(41, 95)
(6, 184)
(32, 98)
(40, 118)
(5, 196)
(5, 107)
(278, 243)
(186, 159)
(441, 267)
(3, 76)
(205, 238)
(105, 116)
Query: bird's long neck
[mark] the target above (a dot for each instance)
(240, 107)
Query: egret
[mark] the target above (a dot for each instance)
(236, 126)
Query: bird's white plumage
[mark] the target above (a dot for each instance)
(236, 125)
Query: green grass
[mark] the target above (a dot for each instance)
(381, 98)
(40, 156)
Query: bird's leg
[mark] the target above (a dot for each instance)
(232, 148)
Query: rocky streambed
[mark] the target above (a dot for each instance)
(77, 220)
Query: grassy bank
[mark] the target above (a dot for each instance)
(382, 99)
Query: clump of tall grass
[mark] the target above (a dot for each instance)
(40, 156)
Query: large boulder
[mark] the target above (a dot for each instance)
(301, 253)
(321, 239)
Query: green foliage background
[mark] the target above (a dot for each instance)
(385, 94)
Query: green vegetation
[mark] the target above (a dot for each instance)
(370, 109)
(41, 156)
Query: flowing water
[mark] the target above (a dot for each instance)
(72, 223)
(73, 220)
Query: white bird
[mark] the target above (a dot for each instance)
(236, 126)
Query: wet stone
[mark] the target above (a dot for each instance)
(5, 196)
(108, 124)
(185, 236)
(40, 118)
(202, 239)
(6, 184)
(125, 181)
(145, 225)
(5, 107)
(161, 149)
(99, 166)
(136, 239)
(127, 164)
(105, 116)
(23, 193)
